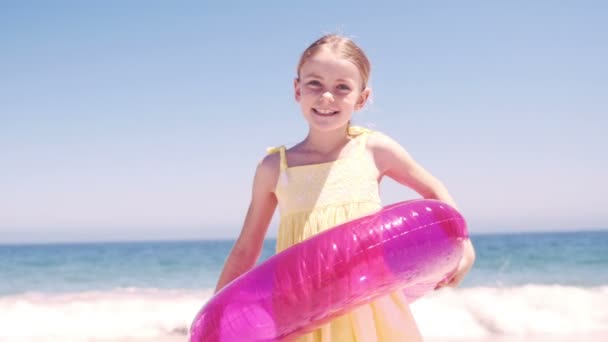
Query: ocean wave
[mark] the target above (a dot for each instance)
(117, 315)
(467, 313)
(529, 310)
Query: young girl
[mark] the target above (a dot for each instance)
(330, 177)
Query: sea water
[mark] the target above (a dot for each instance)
(523, 287)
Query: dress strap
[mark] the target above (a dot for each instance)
(281, 150)
(363, 141)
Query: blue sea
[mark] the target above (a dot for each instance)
(523, 287)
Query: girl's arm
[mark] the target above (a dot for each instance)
(247, 248)
(393, 161)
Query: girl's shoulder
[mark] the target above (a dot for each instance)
(378, 141)
(272, 159)
(268, 168)
(385, 150)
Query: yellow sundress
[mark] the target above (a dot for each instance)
(313, 198)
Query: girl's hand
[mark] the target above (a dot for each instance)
(465, 264)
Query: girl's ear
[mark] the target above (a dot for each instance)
(363, 98)
(296, 88)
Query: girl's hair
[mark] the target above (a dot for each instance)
(343, 47)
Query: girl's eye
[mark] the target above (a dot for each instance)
(315, 84)
(343, 87)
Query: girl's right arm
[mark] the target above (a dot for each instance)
(247, 248)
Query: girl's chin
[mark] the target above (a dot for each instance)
(328, 126)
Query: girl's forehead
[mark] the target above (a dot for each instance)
(327, 62)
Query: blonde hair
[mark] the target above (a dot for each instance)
(345, 48)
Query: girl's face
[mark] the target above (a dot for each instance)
(329, 91)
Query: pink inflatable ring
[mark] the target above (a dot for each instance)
(410, 245)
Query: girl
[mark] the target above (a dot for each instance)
(330, 177)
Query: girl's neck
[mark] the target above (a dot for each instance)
(326, 142)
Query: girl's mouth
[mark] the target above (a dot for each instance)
(324, 112)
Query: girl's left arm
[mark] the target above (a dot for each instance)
(395, 162)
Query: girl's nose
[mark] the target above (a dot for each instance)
(327, 96)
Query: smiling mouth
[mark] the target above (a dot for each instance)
(324, 112)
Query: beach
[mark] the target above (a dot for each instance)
(548, 287)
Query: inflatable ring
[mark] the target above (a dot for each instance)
(408, 246)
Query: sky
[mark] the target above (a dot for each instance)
(145, 120)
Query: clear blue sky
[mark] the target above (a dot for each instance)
(145, 119)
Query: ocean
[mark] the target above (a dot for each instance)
(523, 287)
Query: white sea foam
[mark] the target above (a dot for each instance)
(532, 310)
(98, 316)
(465, 314)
